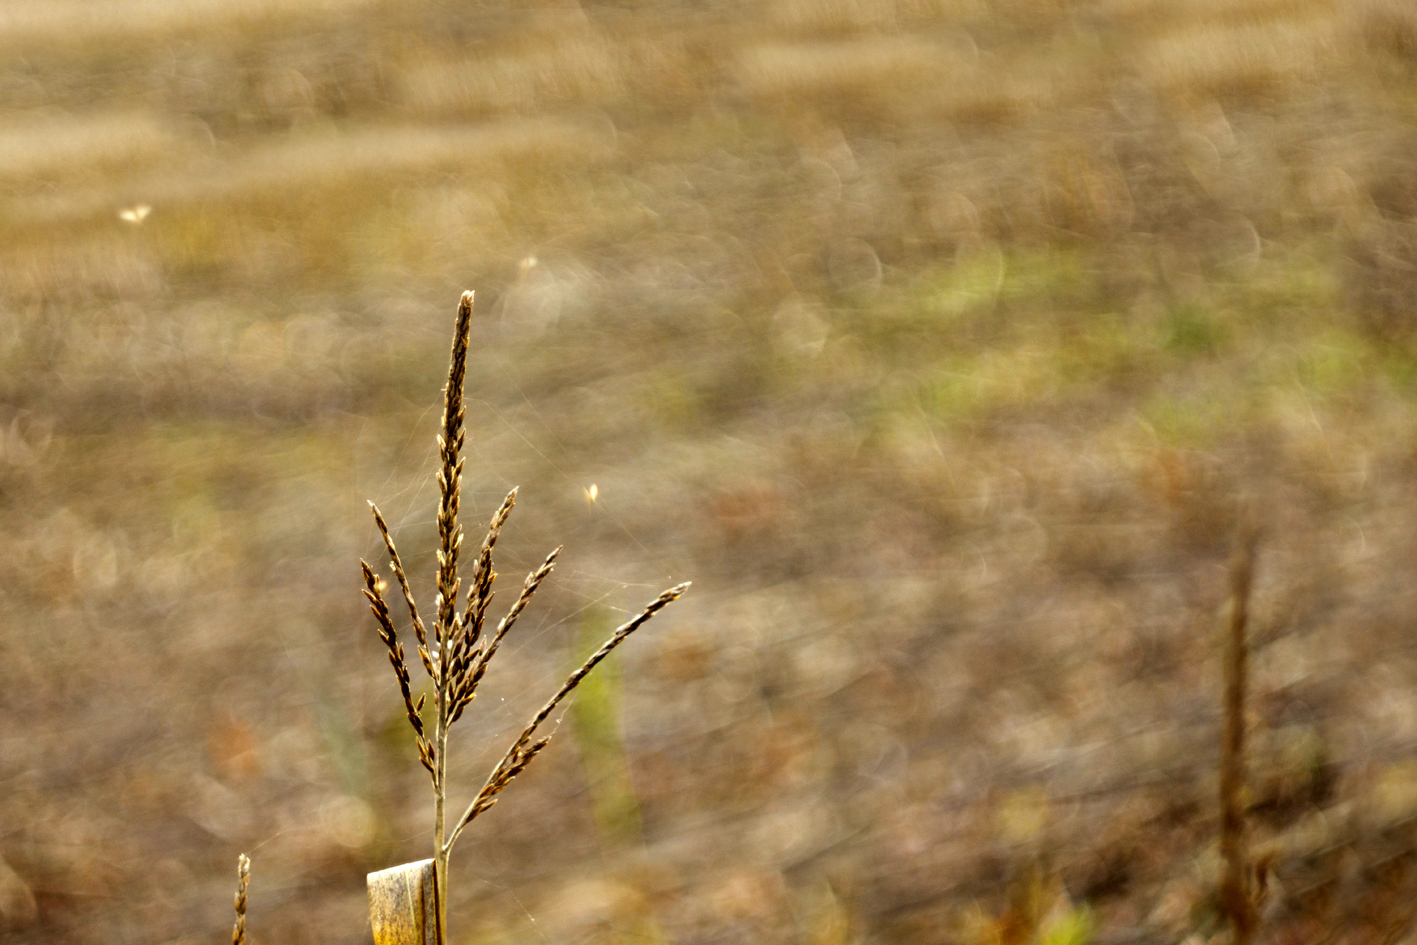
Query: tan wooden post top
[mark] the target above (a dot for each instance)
(403, 907)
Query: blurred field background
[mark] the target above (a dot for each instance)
(937, 341)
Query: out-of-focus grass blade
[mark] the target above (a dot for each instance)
(595, 718)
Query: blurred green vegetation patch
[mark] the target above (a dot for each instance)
(1192, 330)
(1197, 420)
(595, 719)
(1069, 926)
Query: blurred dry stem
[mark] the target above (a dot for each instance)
(1237, 885)
(459, 653)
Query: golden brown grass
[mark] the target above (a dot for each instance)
(454, 651)
(243, 880)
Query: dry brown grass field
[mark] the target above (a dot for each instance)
(939, 343)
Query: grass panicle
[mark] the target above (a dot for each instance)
(450, 443)
(455, 651)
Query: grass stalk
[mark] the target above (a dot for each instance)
(454, 650)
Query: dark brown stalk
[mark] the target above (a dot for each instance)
(397, 565)
(523, 750)
(1237, 897)
(243, 880)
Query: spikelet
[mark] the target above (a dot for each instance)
(243, 880)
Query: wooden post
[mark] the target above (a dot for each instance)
(403, 905)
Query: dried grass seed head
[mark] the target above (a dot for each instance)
(243, 880)
(397, 565)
